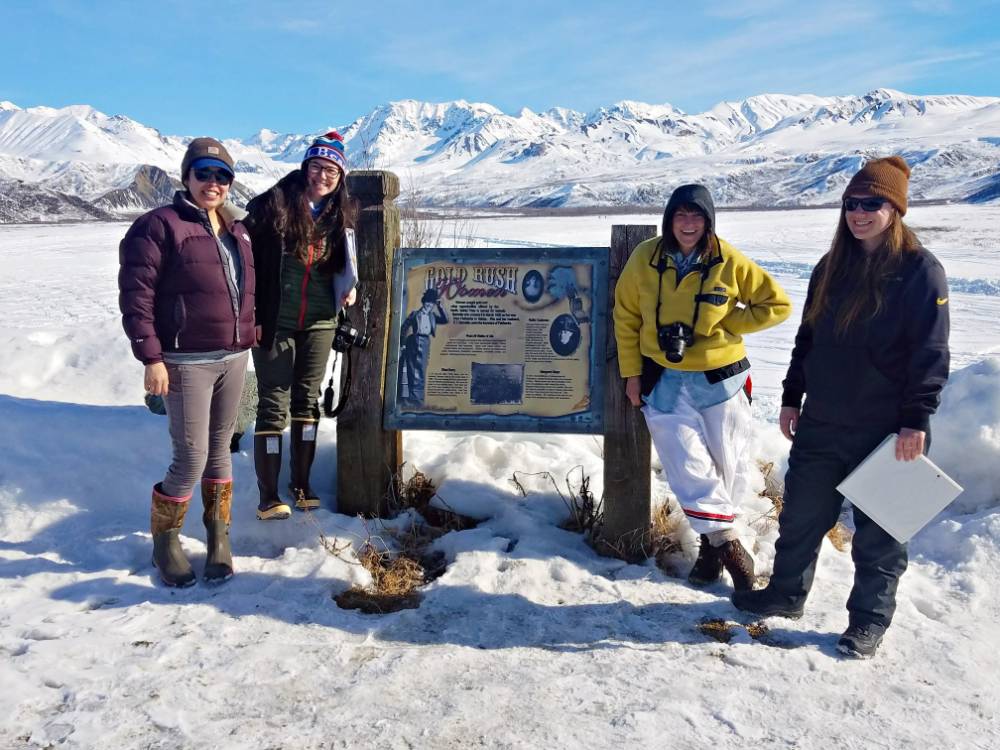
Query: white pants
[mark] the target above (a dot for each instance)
(704, 453)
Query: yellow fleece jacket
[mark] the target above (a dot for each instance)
(738, 297)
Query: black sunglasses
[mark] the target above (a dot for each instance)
(208, 174)
(866, 204)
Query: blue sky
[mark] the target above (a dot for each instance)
(229, 68)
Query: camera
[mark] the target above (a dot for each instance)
(673, 338)
(347, 336)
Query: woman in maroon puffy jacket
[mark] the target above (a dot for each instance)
(186, 292)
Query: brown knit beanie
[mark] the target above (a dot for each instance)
(206, 148)
(887, 178)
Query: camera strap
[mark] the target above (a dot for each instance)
(661, 268)
(328, 408)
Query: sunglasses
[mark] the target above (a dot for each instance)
(865, 204)
(218, 176)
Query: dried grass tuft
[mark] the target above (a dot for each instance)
(417, 493)
(840, 537)
(719, 630)
(665, 534)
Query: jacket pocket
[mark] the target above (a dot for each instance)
(180, 319)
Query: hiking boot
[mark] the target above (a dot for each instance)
(166, 520)
(738, 563)
(766, 602)
(217, 497)
(267, 464)
(302, 451)
(861, 641)
(708, 567)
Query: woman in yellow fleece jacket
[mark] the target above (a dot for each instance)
(682, 305)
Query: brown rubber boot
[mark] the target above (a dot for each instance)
(268, 466)
(708, 567)
(738, 563)
(166, 520)
(217, 497)
(301, 457)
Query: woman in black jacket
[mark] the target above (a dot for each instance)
(870, 357)
(303, 232)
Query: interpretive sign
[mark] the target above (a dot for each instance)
(497, 339)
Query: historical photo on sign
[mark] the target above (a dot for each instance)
(507, 335)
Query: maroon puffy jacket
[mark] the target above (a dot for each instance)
(173, 289)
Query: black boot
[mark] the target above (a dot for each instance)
(268, 466)
(738, 563)
(708, 567)
(861, 641)
(217, 496)
(166, 520)
(301, 459)
(767, 602)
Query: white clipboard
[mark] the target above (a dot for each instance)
(900, 496)
(347, 279)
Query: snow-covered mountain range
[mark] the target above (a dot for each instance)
(765, 151)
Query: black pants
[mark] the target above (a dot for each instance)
(822, 456)
(289, 377)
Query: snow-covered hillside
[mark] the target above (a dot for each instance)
(767, 150)
(529, 639)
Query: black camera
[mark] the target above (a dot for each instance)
(673, 338)
(347, 336)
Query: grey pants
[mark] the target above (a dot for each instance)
(289, 377)
(201, 405)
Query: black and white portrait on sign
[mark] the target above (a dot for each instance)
(532, 286)
(564, 335)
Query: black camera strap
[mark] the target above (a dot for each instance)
(328, 408)
(661, 267)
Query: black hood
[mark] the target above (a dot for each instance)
(695, 195)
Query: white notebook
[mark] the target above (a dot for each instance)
(347, 279)
(900, 496)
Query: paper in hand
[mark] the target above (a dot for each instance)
(347, 279)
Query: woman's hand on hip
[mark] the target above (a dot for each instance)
(910, 444)
(155, 379)
(633, 389)
(788, 420)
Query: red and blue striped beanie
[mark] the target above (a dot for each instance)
(329, 147)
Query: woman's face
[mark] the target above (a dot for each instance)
(868, 226)
(688, 226)
(322, 178)
(208, 187)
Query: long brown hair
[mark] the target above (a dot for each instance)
(292, 219)
(864, 272)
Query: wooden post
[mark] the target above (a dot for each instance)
(369, 457)
(626, 439)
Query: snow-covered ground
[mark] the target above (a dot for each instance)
(529, 639)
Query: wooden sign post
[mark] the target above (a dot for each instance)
(369, 457)
(626, 439)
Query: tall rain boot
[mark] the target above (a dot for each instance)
(267, 463)
(217, 497)
(303, 451)
(166, 520)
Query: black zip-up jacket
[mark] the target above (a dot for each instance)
(888, 370)
(270, 245)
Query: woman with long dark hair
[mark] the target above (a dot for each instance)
(870, 357)
(683, 303)
(186, 292)
(303, 233)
